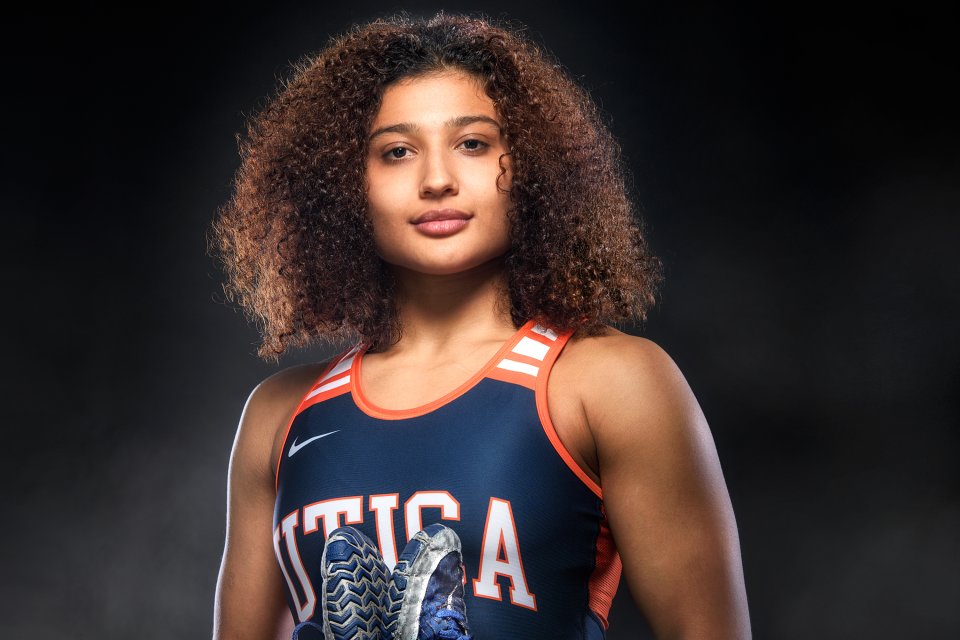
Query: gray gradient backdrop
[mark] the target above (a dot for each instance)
(798, 169)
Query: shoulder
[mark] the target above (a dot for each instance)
(629, 387)
(274, 394)
(268, 410)
(663, 488)
(615, 360)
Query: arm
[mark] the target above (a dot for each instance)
(664, 494)
(250, 601)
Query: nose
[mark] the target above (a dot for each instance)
(439, 178)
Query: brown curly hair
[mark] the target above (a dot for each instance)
(295, 238)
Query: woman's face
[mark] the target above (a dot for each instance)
(433, 164)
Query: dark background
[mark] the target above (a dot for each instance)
(798, 169)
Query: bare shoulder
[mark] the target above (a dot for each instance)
(275, 393)
(267, 412)
(615, 362)
(621, 350)
(628, 382)
(249, 600)
(663, 487)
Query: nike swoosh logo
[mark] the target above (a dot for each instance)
(296, 447)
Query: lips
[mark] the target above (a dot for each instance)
(441, 222)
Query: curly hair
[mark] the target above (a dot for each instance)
(295, 238)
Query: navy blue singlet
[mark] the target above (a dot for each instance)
(483, 460)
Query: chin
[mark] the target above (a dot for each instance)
(450, 267)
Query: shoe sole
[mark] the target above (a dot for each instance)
(411, 576)
(354, 585)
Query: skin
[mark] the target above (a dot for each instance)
(619, 403)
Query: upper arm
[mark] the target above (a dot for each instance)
(664, 494)
(250, 600)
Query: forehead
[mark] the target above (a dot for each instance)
(433, 98)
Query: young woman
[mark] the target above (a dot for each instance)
(440, 195)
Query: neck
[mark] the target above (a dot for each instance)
(437, 310)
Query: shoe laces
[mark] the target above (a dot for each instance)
(452, 623)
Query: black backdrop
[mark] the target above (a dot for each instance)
(798, 169)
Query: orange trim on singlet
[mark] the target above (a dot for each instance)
(372, 410)
(541, 395)
(513, 377)
(606, 574)
(305, 402)
(537, 383)
(329, 393)
(519, 357)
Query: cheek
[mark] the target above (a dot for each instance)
(379, 199)
(383, 236)
(382, 205)
(383, 233)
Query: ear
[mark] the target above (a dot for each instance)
(506, 173)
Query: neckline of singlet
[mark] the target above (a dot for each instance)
(373, 410)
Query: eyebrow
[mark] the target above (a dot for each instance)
(452, 123)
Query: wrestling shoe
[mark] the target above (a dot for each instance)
(353, 590)
(308, 630)
(425, 595)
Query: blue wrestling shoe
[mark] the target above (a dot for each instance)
(353, 591)
(425, 596)
(308, 630)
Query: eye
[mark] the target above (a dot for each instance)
(397, 153)
(472, 144)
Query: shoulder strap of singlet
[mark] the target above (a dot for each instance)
(332, 382)
(531, 357)
(529, 363)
